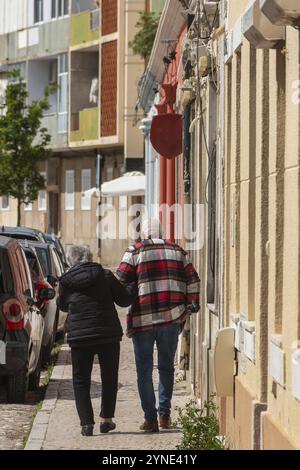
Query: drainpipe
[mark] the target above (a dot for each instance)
(98, 186)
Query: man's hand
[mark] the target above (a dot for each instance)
(192, 308)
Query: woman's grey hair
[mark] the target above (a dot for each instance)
(79, 254)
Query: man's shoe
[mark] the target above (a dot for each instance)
(150, 426)
(106, 427)
(165, 422)
(87, 430)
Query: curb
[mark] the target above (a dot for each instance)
(40, 424)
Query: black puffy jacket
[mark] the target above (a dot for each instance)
(88, 293)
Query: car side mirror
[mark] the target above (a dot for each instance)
(52, 280)
(30, 302)
(46, 293)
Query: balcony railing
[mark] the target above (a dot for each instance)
(85, 27)
(88, 126)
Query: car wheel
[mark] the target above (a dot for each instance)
(60, 335)
(17, 386)
(34, 378)
(46, 350)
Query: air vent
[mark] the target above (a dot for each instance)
(282, 12)
(259, 30)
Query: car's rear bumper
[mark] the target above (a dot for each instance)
(13, 356)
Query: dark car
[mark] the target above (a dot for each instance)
(21, 324)
(47, 304)
(53, 269)
(22, 233)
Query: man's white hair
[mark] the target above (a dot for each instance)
(79, 254)
(151, 228)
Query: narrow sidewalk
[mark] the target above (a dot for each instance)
(57, 427)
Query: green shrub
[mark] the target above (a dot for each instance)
(200, 427)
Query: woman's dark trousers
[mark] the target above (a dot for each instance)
(82, 362)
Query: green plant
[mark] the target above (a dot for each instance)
(23, 142)
(143, 40)
(200, 427)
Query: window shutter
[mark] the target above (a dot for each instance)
(42, 196)
(86, 184)
(70, 187)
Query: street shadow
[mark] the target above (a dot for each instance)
(66, 392)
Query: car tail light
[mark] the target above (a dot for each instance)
(13, 314)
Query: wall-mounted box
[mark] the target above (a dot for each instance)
(224, 362)
(249, 340)
(282, 12)
(259, 30)
(296, 374)
(235, 323)
(277, 360)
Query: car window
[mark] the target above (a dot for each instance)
(57, 263)
(43, 257)
(6, 278)
(21, 236)
(24, 275)
(33, 266)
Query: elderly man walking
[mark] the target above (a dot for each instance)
(168, 290)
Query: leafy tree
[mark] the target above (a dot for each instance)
(143, 40)
(23, 143)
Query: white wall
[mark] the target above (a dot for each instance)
(13, 15)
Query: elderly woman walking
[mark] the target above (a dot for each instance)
(87, 293)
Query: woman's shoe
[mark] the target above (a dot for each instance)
(87, 430)
(106, 427)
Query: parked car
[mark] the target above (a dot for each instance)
(54, 240)
(53, 269)
(22, 233)
(25, 233)
(47, 307)
(21, 324)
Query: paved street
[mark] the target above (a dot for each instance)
(57, 426)
(15, 420)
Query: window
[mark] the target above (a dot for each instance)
(38, 11)
(44, 260)
(22, 268)
(42, 196)
(70, 188)
(109, 173)
(4, 203)
(57, 264)
(28, 207)
(86, 184)
(59, 8)
(63, 93)
(6, 278)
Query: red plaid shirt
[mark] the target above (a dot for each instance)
(168, 285)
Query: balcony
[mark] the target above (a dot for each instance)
(84, 109)
(85, 28)
(87, 123)
(51, 123)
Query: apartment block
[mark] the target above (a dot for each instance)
(81, 47)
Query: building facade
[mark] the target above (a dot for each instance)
(237, 70)
(81, 46)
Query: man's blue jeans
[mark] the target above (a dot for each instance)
(166, 339)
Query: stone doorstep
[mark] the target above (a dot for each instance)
(40, 424)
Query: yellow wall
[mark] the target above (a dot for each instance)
(262, 269)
